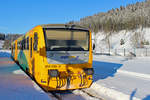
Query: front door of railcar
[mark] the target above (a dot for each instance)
(31, 68)
(33, 49)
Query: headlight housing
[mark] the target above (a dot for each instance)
(53, 72)
(89, 71)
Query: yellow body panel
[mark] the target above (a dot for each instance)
(38, 66)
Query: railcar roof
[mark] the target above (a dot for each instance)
(64, 26)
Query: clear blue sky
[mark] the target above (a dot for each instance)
(19, 16)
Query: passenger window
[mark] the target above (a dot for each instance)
(35, 41)
(22, 45)
(18, 45)
(14, 46)
(27, 43)
(31, 48)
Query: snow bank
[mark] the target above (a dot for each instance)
(130, 81)
(135, 74)
(111, 93)
(8, 51)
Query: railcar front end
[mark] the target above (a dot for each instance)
(68, 59)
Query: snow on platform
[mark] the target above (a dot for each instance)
(15, 84)
(115, 78)
(119, 78)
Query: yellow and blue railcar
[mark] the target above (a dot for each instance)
(58, 56)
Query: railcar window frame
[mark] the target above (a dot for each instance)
(68, 29)
(17, 44)
(21, 44)
(27, 43)
(31, 47)
(14, 46)
(35, 44)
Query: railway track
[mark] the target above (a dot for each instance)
(54, 96)
(74, 95)
(92, 94)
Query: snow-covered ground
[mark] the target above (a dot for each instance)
(120, 78)
(15, 84)
(115, 78)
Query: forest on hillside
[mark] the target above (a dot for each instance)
(124, 18)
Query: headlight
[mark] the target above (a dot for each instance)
(53, 73)
(86, 55)
(89, 71)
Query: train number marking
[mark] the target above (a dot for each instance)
(52, 66)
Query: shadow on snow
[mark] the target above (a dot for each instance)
(133, 94)
(147, 98)
(104, 69)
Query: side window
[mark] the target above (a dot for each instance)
(27, 43)
(21, 44)
(14, 46)
(31, 48)
(24, 42)
(18, 45)
(11, 48)
(35, 41)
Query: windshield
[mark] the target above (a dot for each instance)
(66, 40)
